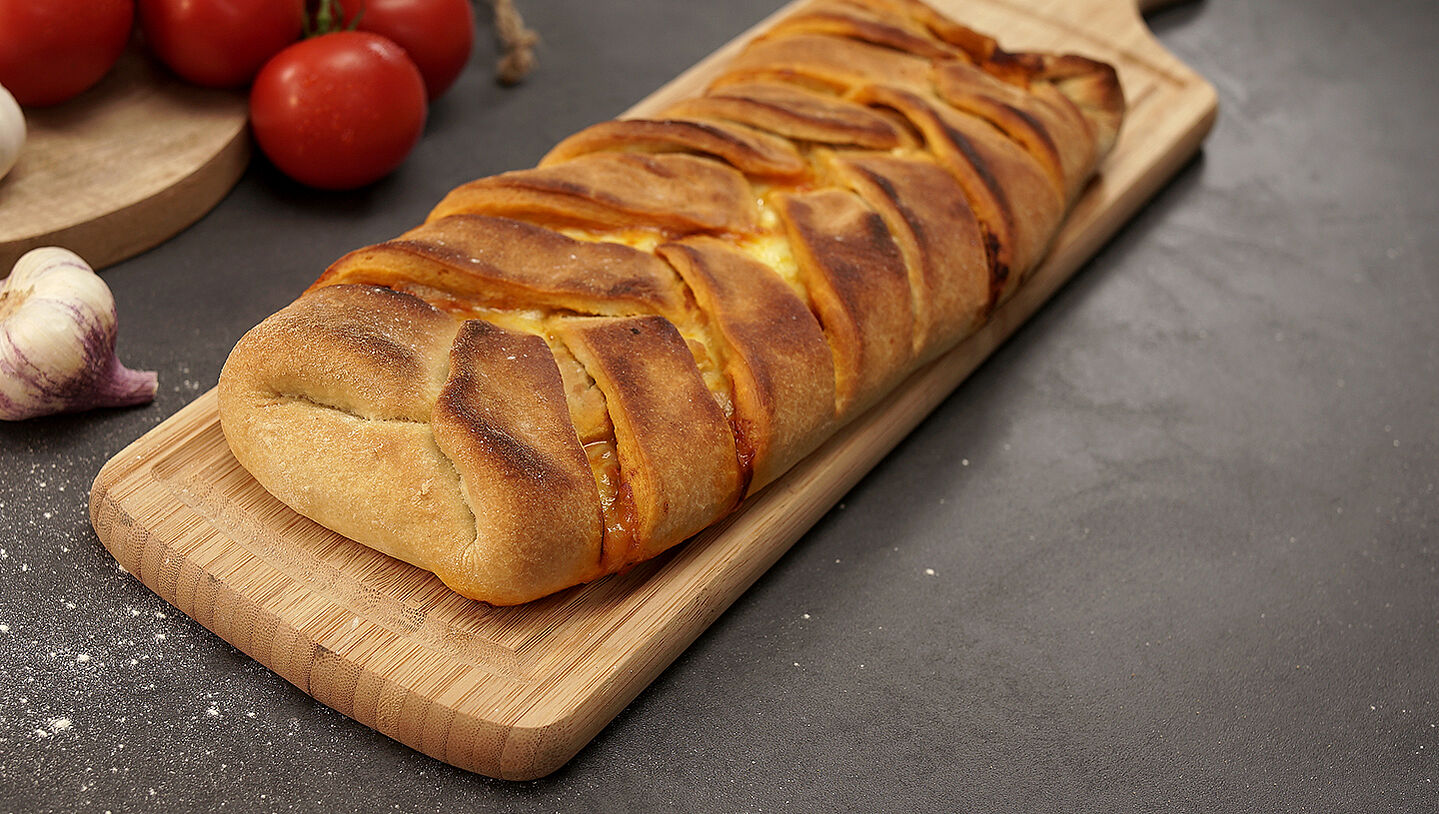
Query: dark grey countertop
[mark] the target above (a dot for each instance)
(1183, 528)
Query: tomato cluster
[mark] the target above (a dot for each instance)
(337, 109)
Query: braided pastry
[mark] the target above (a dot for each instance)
(568, 369)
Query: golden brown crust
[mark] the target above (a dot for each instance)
(677, 459)
(867, 24)
(521, 468)
(750, 151)
(792, 111)
(505, 263)
(859, 287)
(822, 62)
(1016, 203)
(571, 368)
(328, 403)
(680, 193)
(384, 357)
(777, 358)
(1041, 118)
(951, 278)
(1094, 88)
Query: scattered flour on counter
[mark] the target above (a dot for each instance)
(57, 725)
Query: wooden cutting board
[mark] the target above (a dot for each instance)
(123, 166)
(515, 692)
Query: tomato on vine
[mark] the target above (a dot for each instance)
(437, 34)
(339, 110)
(219, 43)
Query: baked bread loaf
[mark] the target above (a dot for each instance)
(568, 369)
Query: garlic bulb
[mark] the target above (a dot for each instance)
(12, 131)
(57, 341)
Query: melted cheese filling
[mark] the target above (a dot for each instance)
(591, 415)
(636, 238)
(772, 249)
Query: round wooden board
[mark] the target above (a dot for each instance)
(122, 167)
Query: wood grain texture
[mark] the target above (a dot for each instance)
(515, 692)
(122, 167)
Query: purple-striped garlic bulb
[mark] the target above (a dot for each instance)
(57, 340)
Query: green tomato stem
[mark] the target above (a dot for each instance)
(328, 18)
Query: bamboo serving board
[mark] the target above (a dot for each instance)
(123, 166)
(515, 692)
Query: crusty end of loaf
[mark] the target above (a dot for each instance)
(347, 407)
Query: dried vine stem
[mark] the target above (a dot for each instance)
(516, 40)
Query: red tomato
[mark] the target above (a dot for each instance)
(220, 43)
(437, 34)
(53, 50)
(340, 110)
